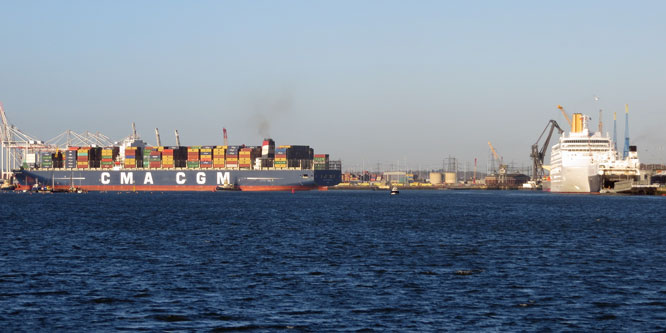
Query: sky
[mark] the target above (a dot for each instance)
(392, 83)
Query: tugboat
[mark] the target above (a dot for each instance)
(394, 190)
(7, 186)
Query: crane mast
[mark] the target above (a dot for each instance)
(537, 154)
(177, 139)
(224, 134)
(157, 137)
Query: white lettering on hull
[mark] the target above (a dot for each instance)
(180, 178)
(222, 177)
(105, 178)
(126, 178)
(201, 178)
(148, 179)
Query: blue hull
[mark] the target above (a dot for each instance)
(179, 179)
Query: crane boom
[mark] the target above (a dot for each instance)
(566, 116)
(494, 152)
(177, 139)
(157, 136)
(537, 154)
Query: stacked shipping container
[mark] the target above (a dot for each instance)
(218, 156)
(246, 156)
(47, 160)
(133, 157)
(168, 158)
(206, 157)
(232, 156)
(321, 162)
(109, 156)
(193, 157)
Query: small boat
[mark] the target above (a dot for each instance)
(227, 187)
(394, 190)
(7, 186)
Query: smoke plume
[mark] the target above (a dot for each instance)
(267, 110)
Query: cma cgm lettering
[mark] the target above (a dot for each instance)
(179, 180)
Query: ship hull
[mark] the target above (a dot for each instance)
(576, 180)
(179, 179)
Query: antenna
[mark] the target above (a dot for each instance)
(177, 139)
(157, 136)
(625, 152)
(615, 131)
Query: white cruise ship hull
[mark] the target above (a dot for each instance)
(572, 179)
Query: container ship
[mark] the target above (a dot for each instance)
(587, 162)
(135, 166)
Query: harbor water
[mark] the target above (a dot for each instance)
(336, 260)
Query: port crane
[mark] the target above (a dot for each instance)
(16, 146)
(177, 139)
(538, 154)
(566, 116)
(157, 137)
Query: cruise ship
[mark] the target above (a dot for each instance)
(584, 161)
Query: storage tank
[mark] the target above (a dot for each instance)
(435, 178)
(450, 177)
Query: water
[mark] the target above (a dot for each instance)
(322, 261)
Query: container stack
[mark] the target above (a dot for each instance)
(232, 156)
(280, 157)
(206, 157)
(167, 158)
(155, 159)
(145, 157)
(218, 157)
(70, 157)
(131, 154)
(321, 162)
(109, 155)
(180, 157)
(193, 157)
(247, 156)
(83, 158)
(47, 161)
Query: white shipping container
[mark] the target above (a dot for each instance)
(31, 158)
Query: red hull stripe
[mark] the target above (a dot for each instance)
(181, 188)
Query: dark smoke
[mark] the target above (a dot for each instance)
(267, 110)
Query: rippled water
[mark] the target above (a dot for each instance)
(320, 261)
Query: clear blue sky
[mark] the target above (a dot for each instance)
(366, 81)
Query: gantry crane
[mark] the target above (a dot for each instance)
(538, 155)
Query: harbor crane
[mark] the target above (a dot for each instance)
(502, 167)
(157, 137)
(538, 154)
(566, 116)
